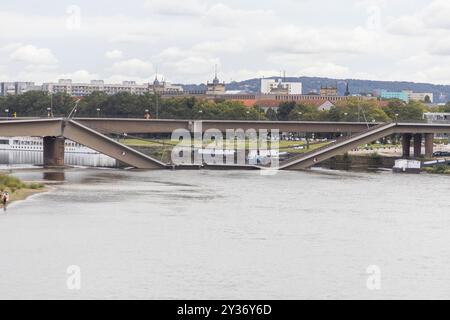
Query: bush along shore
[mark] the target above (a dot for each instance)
(440, 169)
(18, 190)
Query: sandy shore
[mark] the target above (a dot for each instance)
(23, 194)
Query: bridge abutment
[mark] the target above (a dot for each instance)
(406, 144)
(53, 151)
(429, 145)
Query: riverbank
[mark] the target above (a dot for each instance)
(441, 169)
(19, 190)
(369, 161)
(23, 194)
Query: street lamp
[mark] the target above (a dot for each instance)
(49, 112)
(200, 112)
(7, 113)
(396, 117)
(98, 112)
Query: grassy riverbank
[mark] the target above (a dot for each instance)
(442, 169)
(19, 190)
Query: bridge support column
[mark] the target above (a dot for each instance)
(406, 143)
(429, 145)
(417, 145)
(53, 151)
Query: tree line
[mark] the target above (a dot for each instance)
(40, 104)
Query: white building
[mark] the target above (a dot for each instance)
(271, 86)
(16, 88)
(84, 89)
(419, 96)
(437, 117)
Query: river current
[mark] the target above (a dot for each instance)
(228, 235)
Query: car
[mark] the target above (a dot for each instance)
(441, 154)
(437, 154)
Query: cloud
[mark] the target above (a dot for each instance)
(132, 67)
(177, 8)
(114, 54)
(33, 55)
(441, 47)
(406, 25)
(232, 45)
(291, 39)
(79, 76)
(194, 66)
(187, 38)
(326, 69)
(221, 15)
(436, 14)
(10, 47)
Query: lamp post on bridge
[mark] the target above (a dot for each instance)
(7, 113)
(98, 112)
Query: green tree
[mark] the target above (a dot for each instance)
(284, 110)
(303, 112)
(271, 115)
(354, 110)
(411, 111)
(445, 108)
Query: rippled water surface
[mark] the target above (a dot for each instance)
(228, 234)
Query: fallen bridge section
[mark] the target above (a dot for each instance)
(338, 147)
(92, 139)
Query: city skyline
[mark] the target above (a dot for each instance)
(361, 39)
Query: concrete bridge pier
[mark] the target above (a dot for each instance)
(53, 151)
(417, 145)
(429, 145)
(406, 144)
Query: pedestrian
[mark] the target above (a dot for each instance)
(5, 199)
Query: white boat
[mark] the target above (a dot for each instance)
(36, 144)
(407, 166)
(264, 156)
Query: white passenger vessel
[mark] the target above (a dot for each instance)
(36, 144)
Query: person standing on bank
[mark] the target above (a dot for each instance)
(4, 199)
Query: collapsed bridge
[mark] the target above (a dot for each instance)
(92, 133)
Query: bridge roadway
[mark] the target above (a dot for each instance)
(132, 126)
(91, 133)
(136, 126)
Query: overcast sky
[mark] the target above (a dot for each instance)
(127, 40)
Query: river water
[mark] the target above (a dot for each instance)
(228, 235)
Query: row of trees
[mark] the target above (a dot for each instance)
(129, 105)
(353, 110)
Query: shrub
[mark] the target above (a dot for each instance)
(35, 186)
